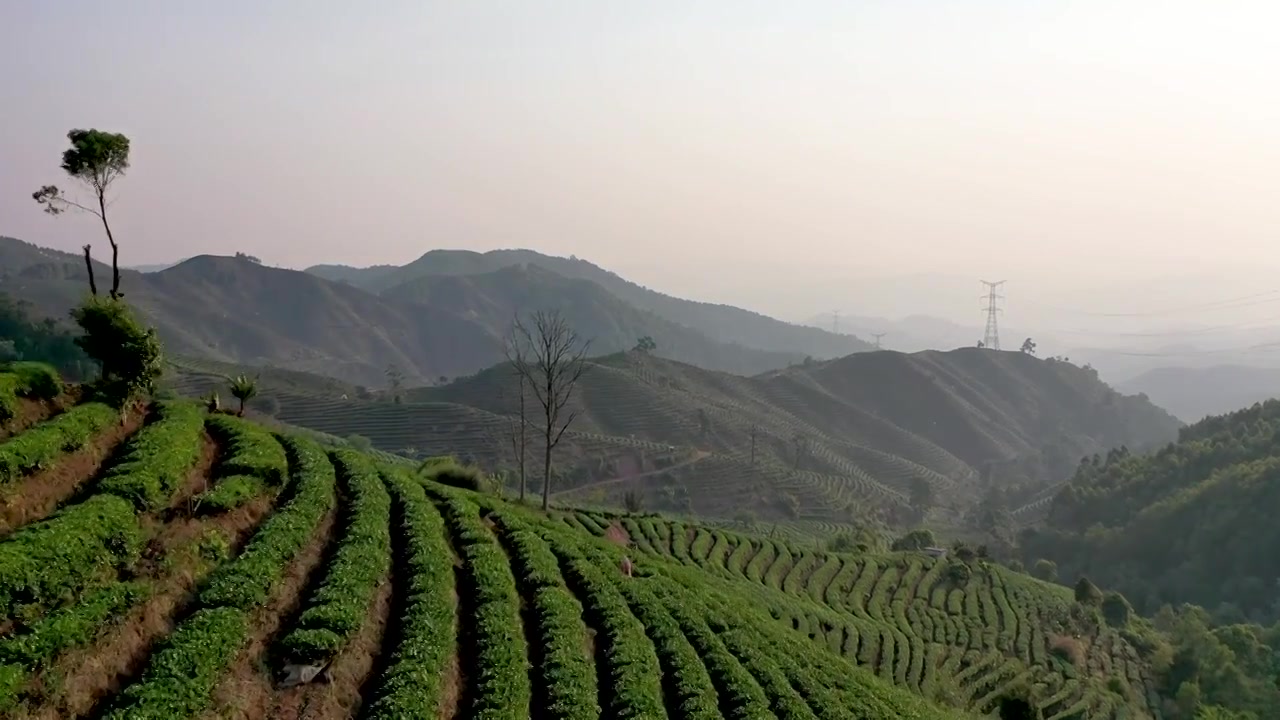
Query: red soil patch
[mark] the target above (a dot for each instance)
(248, 691)
(30, 412)
(617, 534)
(35, 496)
(336, 695)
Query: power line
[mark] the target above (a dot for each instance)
(1224, 304)
(991, 336)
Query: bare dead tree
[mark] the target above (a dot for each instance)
(551, 359)
(800, 442)
(519, 424)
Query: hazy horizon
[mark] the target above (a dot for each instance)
(1100, 158)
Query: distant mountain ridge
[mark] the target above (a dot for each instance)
(427, 325)
(1193, 393)
(722, 323)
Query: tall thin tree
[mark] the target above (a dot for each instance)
(519, 424)
(97, 159)
(551, 359)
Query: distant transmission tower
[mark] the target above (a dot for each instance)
(991, 336)
(835, 322)
(877, 336)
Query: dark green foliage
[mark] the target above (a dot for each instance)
(915, 540)
(41, 446)
(248, 449)
(1087, 593)
(335, 612)
(158, 457)
(128, 354)
(35, 380)
(71, 625)
(1046, 570)
(448, 471)
(26, 338)
(12, 678)
(411, 685)
(1016, 708)
(8, 397)
(228, 494)
(181, 676)
(958, 573)
(1183, 524)
(68, 551)
(1116, 609)
(248, 580)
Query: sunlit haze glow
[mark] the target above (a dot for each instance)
(788, 157)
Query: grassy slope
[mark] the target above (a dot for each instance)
(872, 424)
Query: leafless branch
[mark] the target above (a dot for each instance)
(550, 358)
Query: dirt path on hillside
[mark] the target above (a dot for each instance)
(247, 690)
(697, 455)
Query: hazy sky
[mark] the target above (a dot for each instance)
(771, 154)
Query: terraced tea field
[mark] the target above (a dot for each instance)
(908, 618)
(206, 560)
(186, 565)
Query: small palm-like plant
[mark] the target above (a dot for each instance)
(244, 389)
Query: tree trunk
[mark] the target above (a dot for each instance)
(524, 426)
(88, 265)
(115, 249)
(241, 407)
(546, 475)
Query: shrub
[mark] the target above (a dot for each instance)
(1116, 609)
(37, 381)
(128, 353)
(914, 540)
(1046, 570)
(448, 471)
(1087, 593)
(1069, 649)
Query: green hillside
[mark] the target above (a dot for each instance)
(214, 558)
(722, 323)
(967, 426)
(1190, 522)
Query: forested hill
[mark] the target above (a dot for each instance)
(1193, 522)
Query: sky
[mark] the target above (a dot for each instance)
(879, 157)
